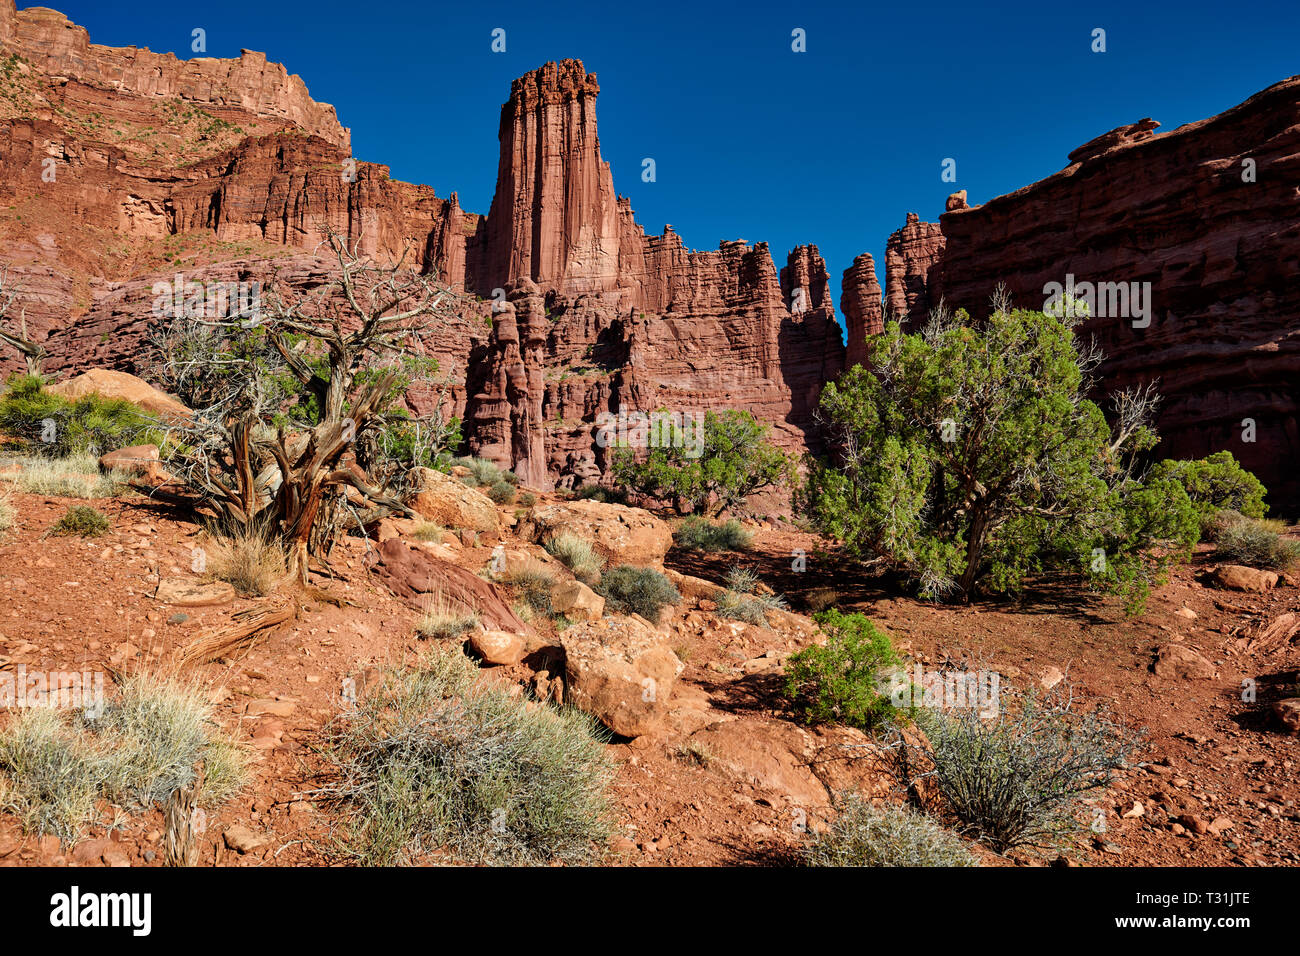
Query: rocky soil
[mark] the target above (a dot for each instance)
(717, 772)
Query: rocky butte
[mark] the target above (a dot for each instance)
(227, 170)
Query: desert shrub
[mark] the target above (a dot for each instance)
(159, 730)
(698, 534)
(428, 531)
(8, 514)
(971, 456)
(843, 680)
(533, 584)
(55, 768)
(50, 777)
(76, 476)
(446, 620)
(502, 492)
(482, 472)
(610, 496)
(1018, 779)
(248, 558)
(91, 425)
(1216, 483)
(706, 467)
(1253, 542)
(527, 500)
(576, 554)
(866, 835)
(740, 600)
(434, 760)
(631, 590)
(81, 520)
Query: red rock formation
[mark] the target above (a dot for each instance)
(232, 88)
(1219, 245)
(861, 304)
(910, 256)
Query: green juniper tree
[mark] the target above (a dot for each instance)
(969, 456)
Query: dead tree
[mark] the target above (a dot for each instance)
(281, 398)
(33, 352)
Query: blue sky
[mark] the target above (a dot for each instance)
(752, 140)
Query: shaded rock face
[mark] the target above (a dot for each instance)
(1180, 211)
(911, 257)
(861, 304)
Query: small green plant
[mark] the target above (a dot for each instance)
(866, 835)
(428, 531)
(576, 554)
(83, 521)
(502, 492)
(435, 760)
(1215, 483)
(446, 620)
(741, 601)
(698, 534)
(631, 590)
(533, 584)
(482, 472)
(843, 681)
(527, 500)
(1254, 542)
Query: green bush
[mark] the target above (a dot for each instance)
(533, 584)
(971, 456)
(1216, 483)
(706, 467)
(576, 554)
(484, 473)
(435, 760)
(698, 534)
(1253, 542)
(843, 681)
(631, 590)
(502, 492)
(81, 520)
(90, 425)
(740, 600)
(865, 835)
(1019, 779)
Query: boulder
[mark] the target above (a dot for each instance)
(622, 672)
(110, 384)
(1183, 663)
(498, 647)
(141, 461)
(768, 755)
(624, 535)
(451, 503)
(577, 601)
(1241, 578)
(424, 580)
(1287, 714)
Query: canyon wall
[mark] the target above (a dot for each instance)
(1209, 216)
